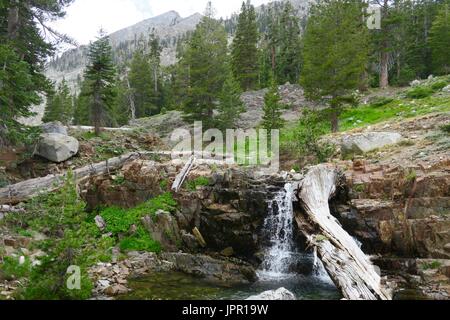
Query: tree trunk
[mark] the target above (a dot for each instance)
(349, 268)
(97, 112)
(13, 21)
(334, 120)
(131, 98)
(384, 69)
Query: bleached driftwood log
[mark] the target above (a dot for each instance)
(349, 268)
(25, 190)
(183, 174)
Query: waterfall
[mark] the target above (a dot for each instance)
(280, 229)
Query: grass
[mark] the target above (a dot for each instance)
(120, 221)
(431, 265)
(198, 182)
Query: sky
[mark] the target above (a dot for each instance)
(85, 17)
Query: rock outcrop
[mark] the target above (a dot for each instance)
(365, 142)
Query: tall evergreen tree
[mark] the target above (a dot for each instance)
(23, 52)
(244, 51)
(205, 61)
(440, 40)
(59, 105)
(273, 109)
(101, 77)
(230, 103)
(141, 84)
(335, 52)
(289, 52)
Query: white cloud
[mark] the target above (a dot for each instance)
(85, 17)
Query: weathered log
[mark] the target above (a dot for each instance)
(349, 268)
(25, 190)
(183, 174)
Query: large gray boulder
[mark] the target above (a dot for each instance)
(365, 142)
(54, 127)
(281, 294)
(57, 147)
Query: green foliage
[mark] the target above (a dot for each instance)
(306, 138)
(446, 128)
(17, 94)
(100, 76)
(419, 93)
(439, 85)
(431, 265)
(140, 241)
(273, 109)
(411, 175)
(164, 184)
(230, 104)
(74, 239)
(120, 221)
(11, 268)
(244, 52)
(440, 39)
(205, 60)
(59, 105)
(24, 50)
(198, 182)
(335, 52)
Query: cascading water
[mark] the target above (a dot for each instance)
(280, 229)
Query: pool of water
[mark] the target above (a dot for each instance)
(179, 286)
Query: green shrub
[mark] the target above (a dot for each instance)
(306, 138)
(446, 128)
(438, 86)
(12, 269)
(419, 93)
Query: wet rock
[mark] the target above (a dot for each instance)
(365, 142)
(116, 290)
(275, 295)
(57, 147)
(224, 271)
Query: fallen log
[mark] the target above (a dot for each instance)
(25, 190)
(349, 268)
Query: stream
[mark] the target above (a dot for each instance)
(280, 257)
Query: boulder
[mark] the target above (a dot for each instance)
(57, 147)
(54, 127)
(281, 294)
(366, 142)
(446, 89)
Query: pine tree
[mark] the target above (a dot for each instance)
(335, 53)
(244, 51)
(230, 103)
(141, 84)
(59, 105)
(24, 49)
(289, 53)
(205, 62)
(273, 109)
(101, 77)
(440, 40)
